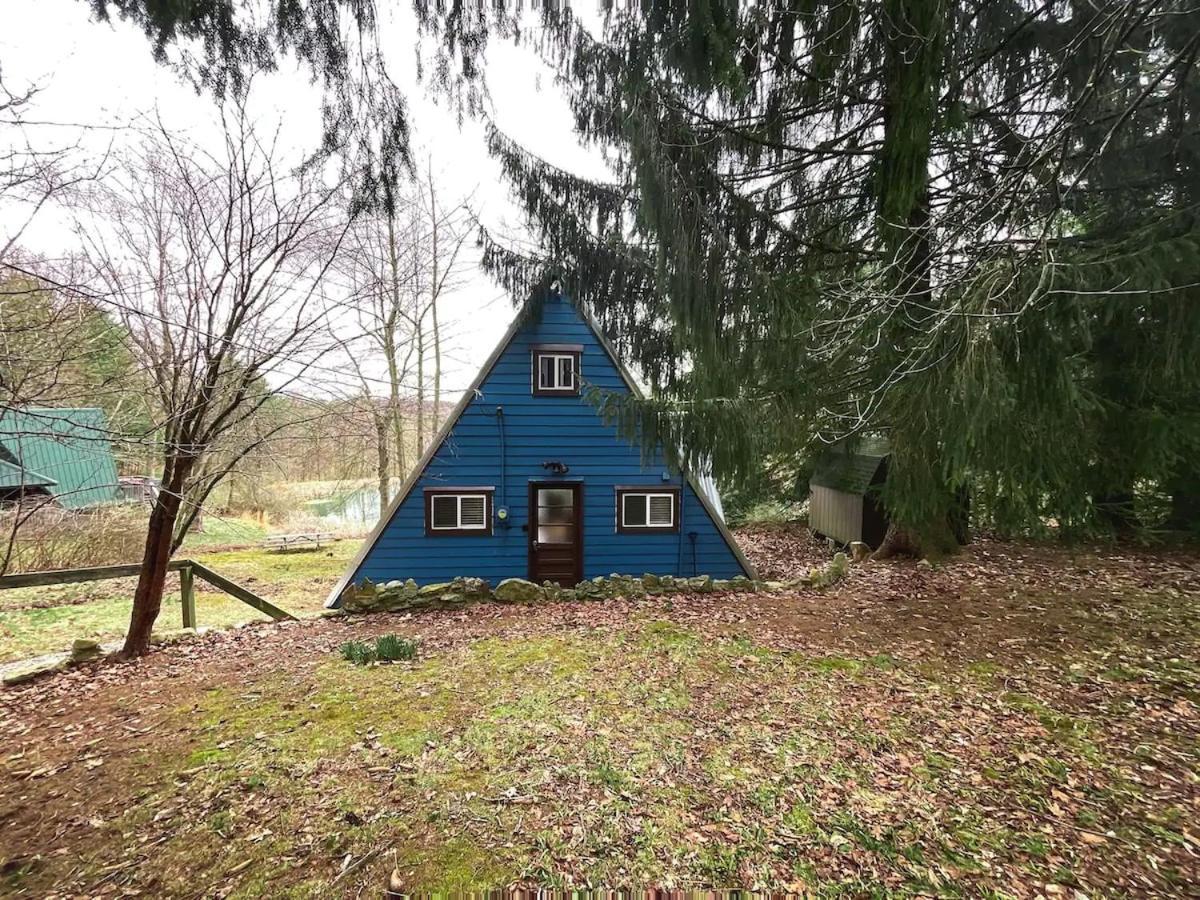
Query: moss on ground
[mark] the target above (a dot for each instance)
(643, 756)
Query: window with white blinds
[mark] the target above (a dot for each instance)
(647, 510)
(448, 512)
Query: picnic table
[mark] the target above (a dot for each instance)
(309, 541)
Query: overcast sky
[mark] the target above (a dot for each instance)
(102, 75)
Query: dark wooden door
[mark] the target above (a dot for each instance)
(556, 533)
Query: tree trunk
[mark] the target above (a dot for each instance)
(1115, 509)
(147, 598)
(434, 290)
(940, 537)
(390, 350)
(934, 541)
(384, 464)
(1184, 488)
(420, 335)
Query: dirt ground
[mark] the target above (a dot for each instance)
(1021, 721)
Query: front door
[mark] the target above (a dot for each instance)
(556, 533)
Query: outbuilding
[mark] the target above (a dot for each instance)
(63, 453)
(844, 493)
(526, 479)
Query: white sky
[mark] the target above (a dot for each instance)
(103, 76)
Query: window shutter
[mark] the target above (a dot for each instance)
(473, 512)
(662, 510)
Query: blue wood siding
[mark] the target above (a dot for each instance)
(537, 429)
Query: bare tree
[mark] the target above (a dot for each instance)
(448, 228)
(397, 266)
(212, 264)
(374, 288)
(438, 232)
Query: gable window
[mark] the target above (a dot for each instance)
(458, 511)
(641, 509)
(556, 369)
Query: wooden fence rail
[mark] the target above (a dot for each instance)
(188, 570)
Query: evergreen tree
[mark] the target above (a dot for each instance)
(970, 226)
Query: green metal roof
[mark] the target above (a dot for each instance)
(15, 476)
(849, 470)
(68, 448)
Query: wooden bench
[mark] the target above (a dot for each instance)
(310, 541)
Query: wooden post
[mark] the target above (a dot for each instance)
(187, 594)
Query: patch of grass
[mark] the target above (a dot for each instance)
(35, 621)
(836, 664)
(220, 531)
(221, 823)
(799, 818)
(653, 754)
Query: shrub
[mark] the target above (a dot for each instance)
(358, 653)
(55, 538)
(387, 648)
(393, 648)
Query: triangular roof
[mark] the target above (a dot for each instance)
(851, 467)
(704, 490)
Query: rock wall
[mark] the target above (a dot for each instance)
(392, 596)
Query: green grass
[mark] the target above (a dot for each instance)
(650, 754)
(540, 758)
(222, 532)
(297, 582)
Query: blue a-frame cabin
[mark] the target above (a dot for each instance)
(526, 480)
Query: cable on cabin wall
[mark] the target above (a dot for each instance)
(503, 465)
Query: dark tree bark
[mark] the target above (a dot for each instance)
(1184, 487)
(147, 598)
(1115, 509)
(383, 471)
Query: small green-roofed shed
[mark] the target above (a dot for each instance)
(844, 499)
(64, 451)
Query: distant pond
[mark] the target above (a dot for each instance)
(357, 507)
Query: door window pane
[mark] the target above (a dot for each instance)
(555, 515)
(556, 534)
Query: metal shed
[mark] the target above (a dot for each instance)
(63, 452)
(843, 499)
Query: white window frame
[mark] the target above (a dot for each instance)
(484, 527)
(623, 494)
(557, 387)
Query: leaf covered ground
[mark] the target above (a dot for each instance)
(1022, 721)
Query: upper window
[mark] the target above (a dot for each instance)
(458, 510)
(640, 509)
(556, 369)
